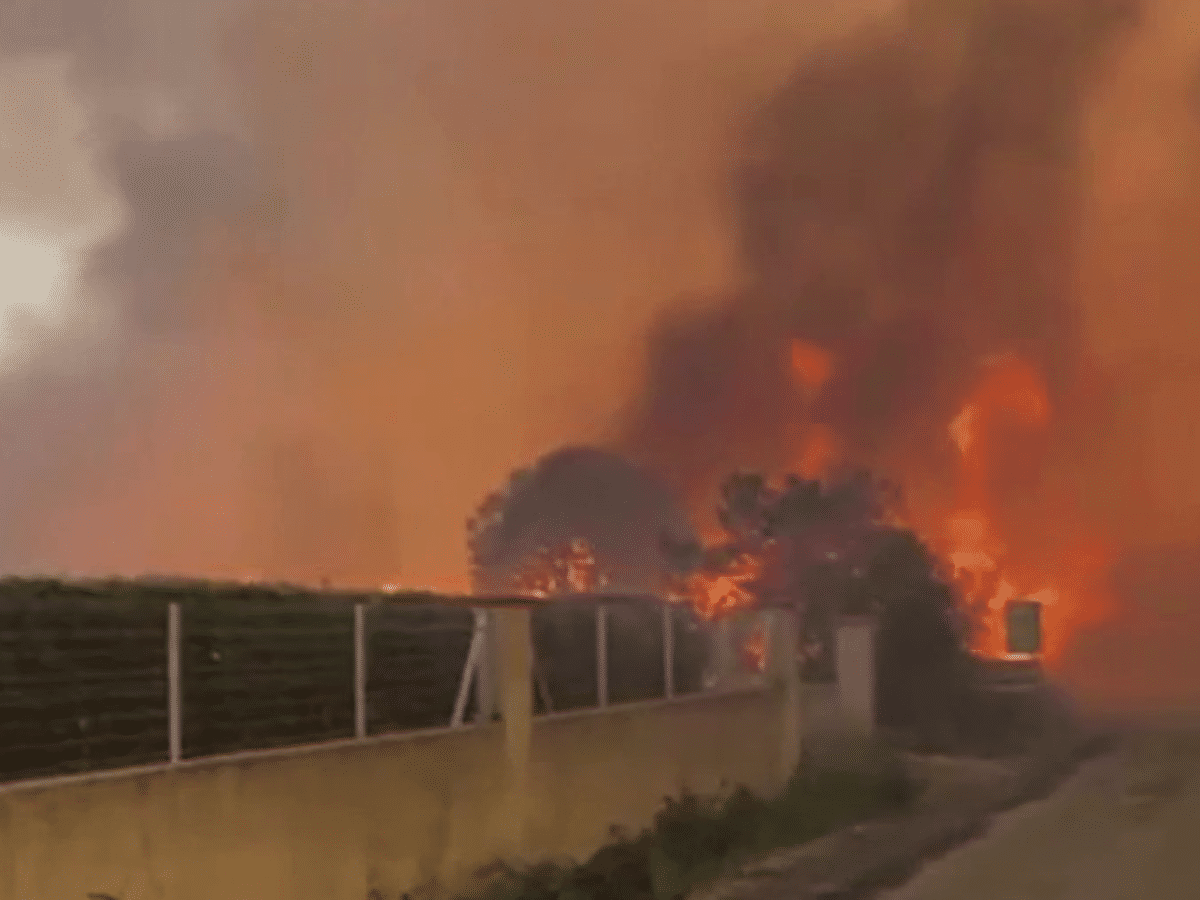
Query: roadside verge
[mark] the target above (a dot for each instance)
(859, 861)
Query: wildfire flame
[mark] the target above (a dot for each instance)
(987, 573)
(985, 570)
(817, 446)
(1010, 391)
(718, 591)
(566, 569)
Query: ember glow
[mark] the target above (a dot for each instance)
(719, 590)
(568, 569)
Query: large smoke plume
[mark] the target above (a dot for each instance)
(910, 203)
(372, 257)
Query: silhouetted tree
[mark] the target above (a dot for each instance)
(922, 667)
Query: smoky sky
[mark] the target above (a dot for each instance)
(366, 259)
(911, 204)
(360, 261)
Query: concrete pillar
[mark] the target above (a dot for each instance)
(856, 673)
(486, 689)
(725, 659)
(514, 664)
(785, 670)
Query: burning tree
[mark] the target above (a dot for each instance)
(575, 494)
(583, 521)
(569, 568)
(827, 548)
(796, 544)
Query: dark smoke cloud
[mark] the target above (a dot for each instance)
(173, 189)
(909, 202)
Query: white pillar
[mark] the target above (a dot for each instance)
(514, 650)
(725, 652)
(856, 672)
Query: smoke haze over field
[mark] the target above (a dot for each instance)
(364, 259)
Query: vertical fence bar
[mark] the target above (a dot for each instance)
(174, 694)
(470, 670)
(602, 655)
(360, 670)
(668, 643)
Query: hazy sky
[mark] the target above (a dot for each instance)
(288, 287)
(357, 261)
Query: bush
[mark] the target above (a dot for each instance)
(696, 839)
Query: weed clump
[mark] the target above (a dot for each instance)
(696, 839)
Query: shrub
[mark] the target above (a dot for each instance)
(695, 839)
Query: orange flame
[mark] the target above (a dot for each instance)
(720, 593)
(566, 569)
(988, 574)
(817, 447)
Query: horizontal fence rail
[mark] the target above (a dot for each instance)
(89, 683)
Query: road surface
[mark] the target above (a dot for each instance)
(1125, 827)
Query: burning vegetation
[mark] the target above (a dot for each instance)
(908, 309)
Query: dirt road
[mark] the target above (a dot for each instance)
(1125, 827)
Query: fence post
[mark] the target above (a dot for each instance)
(668, 642)
(471, 669)
(360, 670)
(514, 652)
(174, 693)
(601, 655)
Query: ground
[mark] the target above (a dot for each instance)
(1125, 827)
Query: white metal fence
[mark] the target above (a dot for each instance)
(193, 692)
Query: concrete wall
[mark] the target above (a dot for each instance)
(389, 814)
(637, 756)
